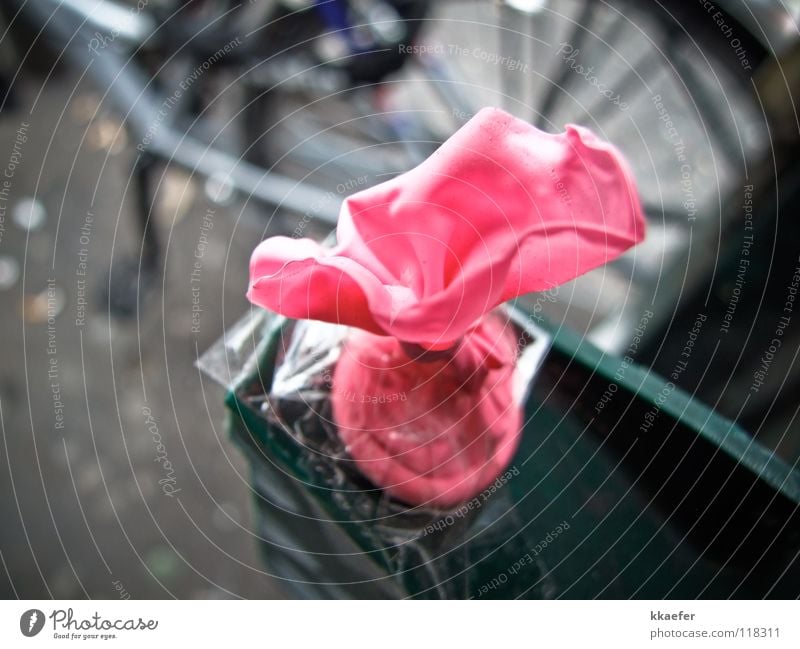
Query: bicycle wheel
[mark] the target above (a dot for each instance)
(668, 85)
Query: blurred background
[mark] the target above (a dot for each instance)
(147, 146)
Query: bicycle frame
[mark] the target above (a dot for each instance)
(68, 25)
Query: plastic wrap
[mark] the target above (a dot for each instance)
(307, 483)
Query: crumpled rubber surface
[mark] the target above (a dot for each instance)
(499, 210)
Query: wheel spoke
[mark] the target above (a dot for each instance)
(631, 80)
(709, 112)
(577, 38)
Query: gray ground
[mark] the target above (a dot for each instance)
(83, 511)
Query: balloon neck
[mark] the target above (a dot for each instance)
(421, 354)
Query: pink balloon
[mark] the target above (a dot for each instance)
(499, 210)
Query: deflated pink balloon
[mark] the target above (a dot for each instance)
(501, 209)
